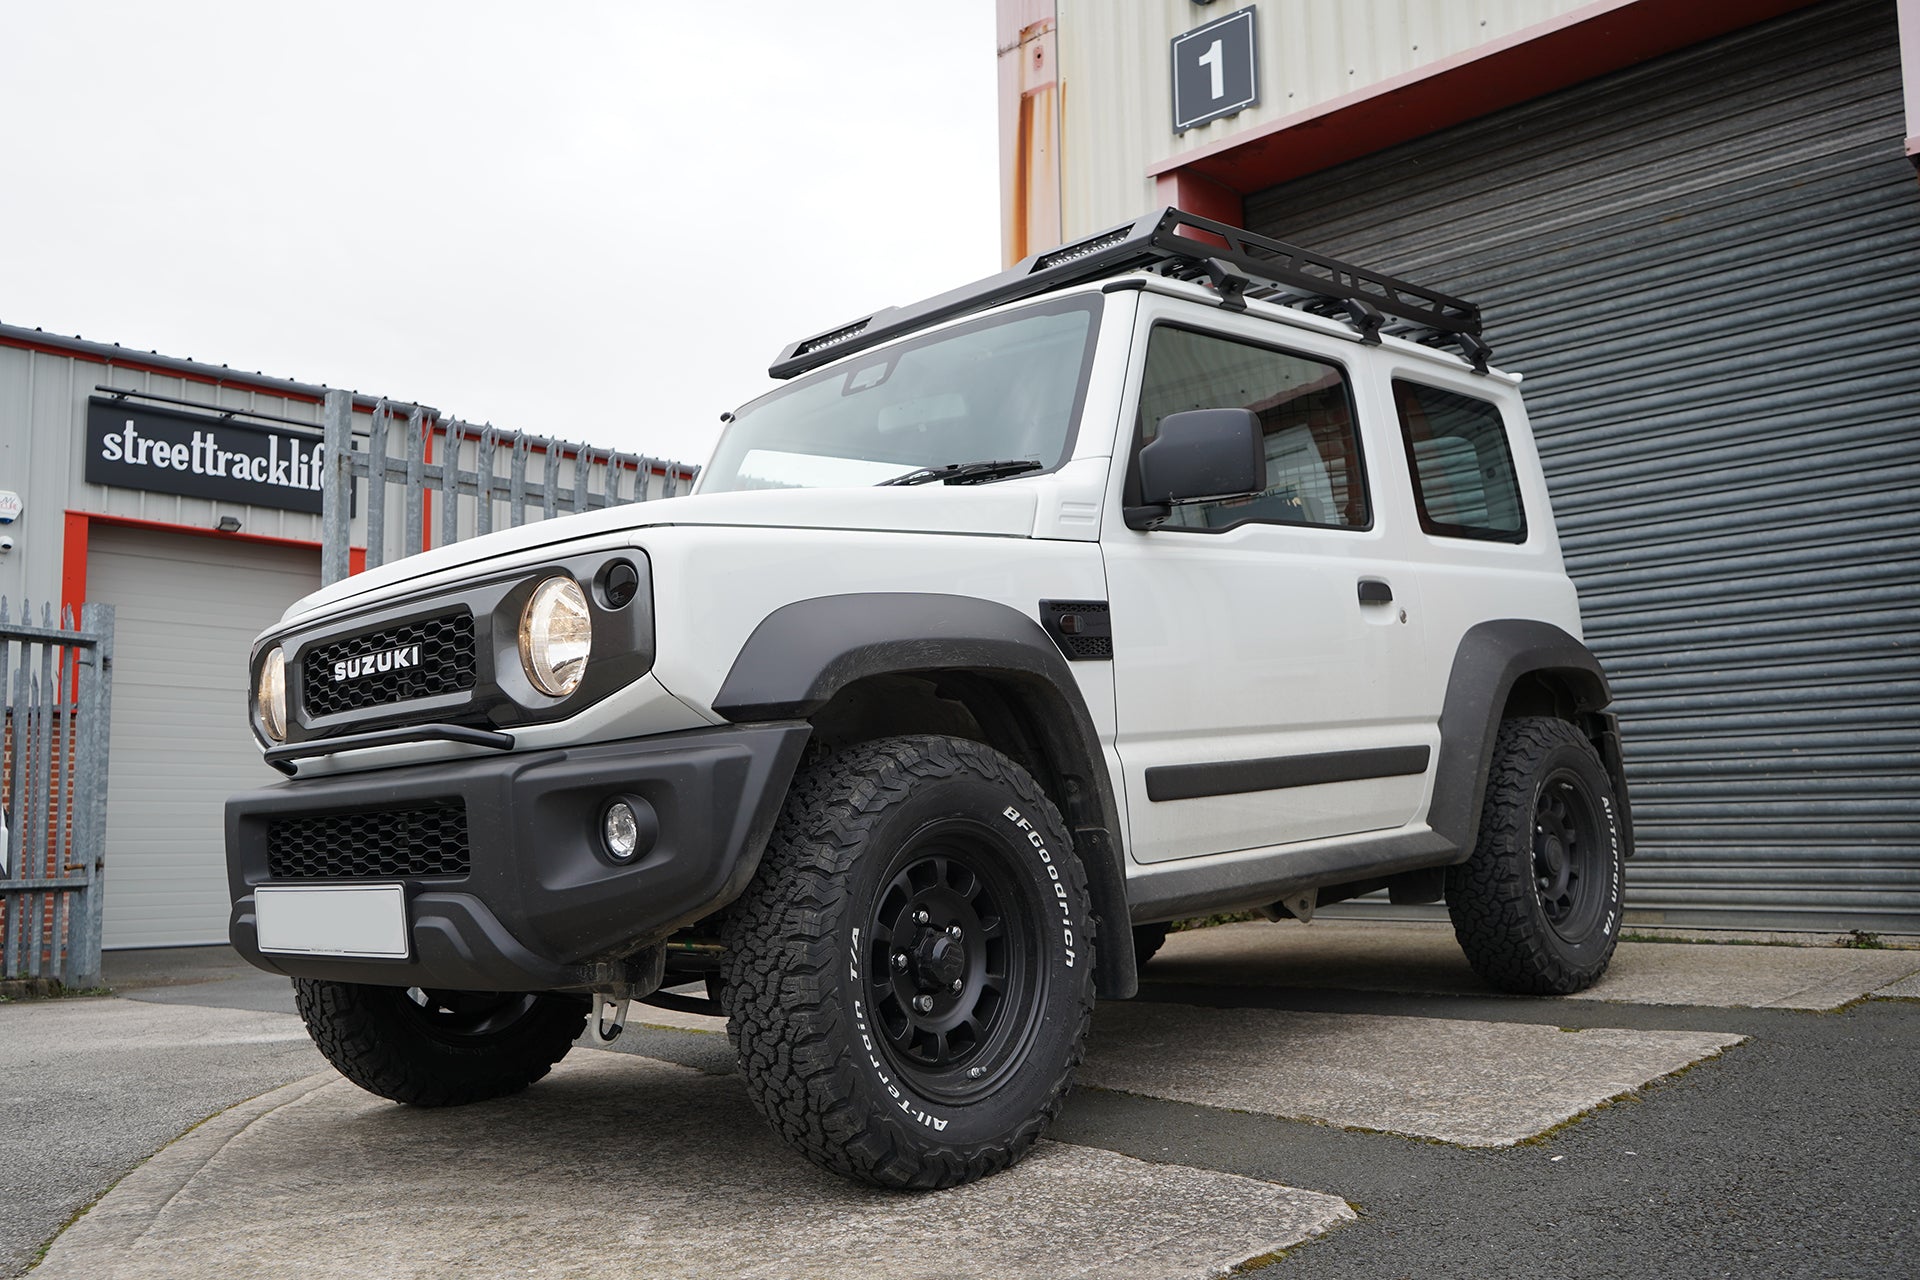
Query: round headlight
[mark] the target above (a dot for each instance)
(556, 634)
(271, 696)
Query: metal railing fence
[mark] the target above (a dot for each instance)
(494, 470)
(58, 683)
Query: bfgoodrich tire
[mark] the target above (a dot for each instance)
(438, 1048)
(1537, 907)
(910, 975)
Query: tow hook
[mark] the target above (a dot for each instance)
(609, 1017)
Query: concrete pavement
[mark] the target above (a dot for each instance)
(90, 1087)
(1359, 956)
(623, 1164)
(1203, 1136)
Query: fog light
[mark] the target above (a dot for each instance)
(621, 828)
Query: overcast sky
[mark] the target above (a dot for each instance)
(597, 220)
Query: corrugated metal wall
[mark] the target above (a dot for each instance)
(1709, 267)
(1114, 67)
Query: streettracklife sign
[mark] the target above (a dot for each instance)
(137, 446)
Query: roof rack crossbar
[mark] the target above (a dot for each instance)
(1184, 246)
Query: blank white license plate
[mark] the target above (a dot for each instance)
(369, 921)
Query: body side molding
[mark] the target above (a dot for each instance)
(1275, 773)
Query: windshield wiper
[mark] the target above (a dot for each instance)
(966, 472)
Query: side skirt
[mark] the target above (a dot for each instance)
(1259, 877)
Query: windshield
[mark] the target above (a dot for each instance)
(1006, 388)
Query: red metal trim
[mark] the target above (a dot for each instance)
(73, 561)
(1578, 46)
(1186, 190)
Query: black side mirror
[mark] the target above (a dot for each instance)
(1199, 454)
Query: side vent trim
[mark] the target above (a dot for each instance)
(1082, 628)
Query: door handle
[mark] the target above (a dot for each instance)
(1375, 591)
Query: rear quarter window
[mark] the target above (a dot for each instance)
(1464, 483)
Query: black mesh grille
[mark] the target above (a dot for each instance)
(444, 662)
(428, 841)
(1088, 646)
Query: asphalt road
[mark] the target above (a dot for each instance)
(1795, 1152)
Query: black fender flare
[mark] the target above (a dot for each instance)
(803, 653)
(1491, 659)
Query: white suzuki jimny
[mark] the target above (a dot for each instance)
(1171, 572)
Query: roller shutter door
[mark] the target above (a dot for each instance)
(1709, 268)
(186, 612)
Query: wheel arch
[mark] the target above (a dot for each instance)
(1516, 667)
(874, 663)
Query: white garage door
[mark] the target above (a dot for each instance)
(186, 612)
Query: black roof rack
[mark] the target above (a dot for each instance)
(1237, 263)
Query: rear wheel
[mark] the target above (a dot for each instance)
(910, 975)
(431, 1048)
(1537, 908)
(1147, 941)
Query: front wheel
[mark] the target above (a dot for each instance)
(1537, 908)
(438, 1048)
(910, 975)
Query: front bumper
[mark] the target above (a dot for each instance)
(541, 903)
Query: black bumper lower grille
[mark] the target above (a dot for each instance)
(415, 660)
(426, 841)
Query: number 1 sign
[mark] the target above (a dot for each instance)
(1214, 72)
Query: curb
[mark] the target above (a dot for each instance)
(115, 1223)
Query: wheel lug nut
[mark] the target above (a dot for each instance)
(958, 986)
(921, 917)
(953, 930)
(923, 1003)
(974, 1073)
(899, 959)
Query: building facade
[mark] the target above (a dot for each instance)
(186, 495)
(1694, 226)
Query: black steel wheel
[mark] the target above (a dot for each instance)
(953, 962)
(910, 975)
(1537, 907)
(1571, 854)
(432, 1048)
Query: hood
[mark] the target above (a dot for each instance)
(1001, 510)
